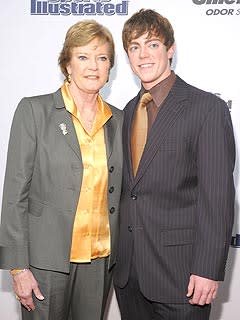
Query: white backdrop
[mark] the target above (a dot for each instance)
(208, 48)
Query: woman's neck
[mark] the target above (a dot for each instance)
(87, 105)
(83, 100)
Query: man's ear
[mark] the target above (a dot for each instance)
(171, 51)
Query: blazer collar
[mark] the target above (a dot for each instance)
(64, 119)
(110, 129)
(58, 99)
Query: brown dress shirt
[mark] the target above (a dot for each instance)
(159, 93)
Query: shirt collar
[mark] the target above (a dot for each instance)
(161, 90)
(103, 114)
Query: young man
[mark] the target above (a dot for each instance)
(177, 203)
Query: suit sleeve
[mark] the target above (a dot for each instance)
(19, 169)
(215, 208)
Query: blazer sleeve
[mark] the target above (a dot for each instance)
(19, 169)
(215, 208)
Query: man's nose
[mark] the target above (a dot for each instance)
(143, 52)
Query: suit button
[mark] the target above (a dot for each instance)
(112, 210)
(130, 229)
(111, 189)
(111, 169)
(133, 196)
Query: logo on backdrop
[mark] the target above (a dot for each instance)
(220, 7)
(79, 7)
(236, 241)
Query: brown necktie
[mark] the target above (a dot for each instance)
(139, 131)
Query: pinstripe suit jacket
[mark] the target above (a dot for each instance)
(177, 212)
(43, 182)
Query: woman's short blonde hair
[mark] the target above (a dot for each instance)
(80, 34)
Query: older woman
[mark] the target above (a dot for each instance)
(62, 187)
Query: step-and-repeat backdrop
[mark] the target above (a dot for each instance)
(208, 50)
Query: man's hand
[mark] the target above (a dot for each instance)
(201, 291)
(23, 284)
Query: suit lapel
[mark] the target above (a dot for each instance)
(127, 127)
(169, 113)
(64, 124)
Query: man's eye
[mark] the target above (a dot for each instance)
(133, 48)
(154, 45)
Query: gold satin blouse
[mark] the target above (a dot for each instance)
(91, 233)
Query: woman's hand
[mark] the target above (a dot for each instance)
(23, 284)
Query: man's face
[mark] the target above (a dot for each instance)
(149, 59)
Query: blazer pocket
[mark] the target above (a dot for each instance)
(35, 207)
(177, 237)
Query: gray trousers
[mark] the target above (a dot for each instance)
(78, 295)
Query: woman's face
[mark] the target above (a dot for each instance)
(89, 66)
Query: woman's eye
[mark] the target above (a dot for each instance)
(103, 58)
(82, 58)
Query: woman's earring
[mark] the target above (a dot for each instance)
(69, 78)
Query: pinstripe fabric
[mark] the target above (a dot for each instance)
(178, 211)
(135, 306)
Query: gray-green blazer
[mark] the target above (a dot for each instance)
(43, 181)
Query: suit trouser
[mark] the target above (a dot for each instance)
(78, 295)
(134, 305)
